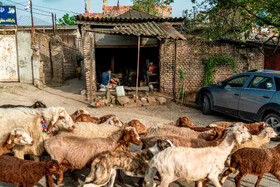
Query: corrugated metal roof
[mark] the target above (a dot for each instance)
(127, 20)
(171, 31)
(150, 29)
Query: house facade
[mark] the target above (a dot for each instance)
(111, 42)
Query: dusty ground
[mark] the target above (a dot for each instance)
(68, 96)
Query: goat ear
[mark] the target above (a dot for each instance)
(159, 142)
(238, 137)
(268, 133)
(178, 122)
(10, 140)
(126, 136)
(57, 116)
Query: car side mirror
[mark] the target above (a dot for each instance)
(220, 84)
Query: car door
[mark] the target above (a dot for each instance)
(258, 92)
(227, 98)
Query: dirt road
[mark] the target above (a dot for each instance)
(69, 97)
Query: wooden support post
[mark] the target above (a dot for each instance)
(53, 24)
(91, 70)
(138, 59)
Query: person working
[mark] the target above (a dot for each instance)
(105, 78)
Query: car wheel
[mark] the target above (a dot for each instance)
(273, 120)
(206, 105)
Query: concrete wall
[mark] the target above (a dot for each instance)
(24, 56)
(8, 58)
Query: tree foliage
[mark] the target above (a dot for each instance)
(66, 20)
(149, 6)
(238, 19)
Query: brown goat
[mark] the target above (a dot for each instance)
(26, 173)
(184, 122)
(78, 151)
(254, 161)
(37, 104)
(183, 141)
(253, 128)
(80, 116)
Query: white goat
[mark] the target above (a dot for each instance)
(194, 164)
(131, 163)
(32, 121)
(17, 136)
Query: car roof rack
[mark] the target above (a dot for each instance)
(265, 71)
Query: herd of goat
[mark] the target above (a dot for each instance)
(170, 151)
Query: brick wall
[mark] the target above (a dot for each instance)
(190, 53)
(70, 64)
(62, 59)
(87, 47)
(44, 51)
(166, 11)
(114, 10)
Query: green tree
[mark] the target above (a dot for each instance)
(237, 19)
(1, 3)
(149, 6)
(67, 20)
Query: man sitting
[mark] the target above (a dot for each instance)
(105, 79)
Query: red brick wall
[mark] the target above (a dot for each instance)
(115, 10)
(190, 53)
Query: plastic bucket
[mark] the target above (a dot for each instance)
(120, 91)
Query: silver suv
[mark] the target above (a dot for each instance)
(251, 96)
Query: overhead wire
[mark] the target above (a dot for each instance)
(34, 7)
(26, 11)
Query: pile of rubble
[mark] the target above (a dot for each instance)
(128, 101)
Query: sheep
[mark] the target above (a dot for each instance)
(178, 162)
(17, 136)
(257, 141)
(179, 131)
(180, 122)
(89, 130)
(26, 173)
(40, 124)
(183, 141)
(254, 161)
(132, 163)
(37, 104)
(78, 113)
(83, 115)
(253, 128)
(77, 151)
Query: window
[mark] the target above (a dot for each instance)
(237, 82)
(261, 83)
(277, 80)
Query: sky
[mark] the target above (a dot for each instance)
(42, 8)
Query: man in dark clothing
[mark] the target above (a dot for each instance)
(106, 77)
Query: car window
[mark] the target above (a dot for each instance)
(277, 80)
(261, 83)
(236, 82)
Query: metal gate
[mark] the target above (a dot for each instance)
(8, 58)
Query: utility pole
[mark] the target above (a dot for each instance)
(53, 20)
(32, 24)
(89, 7)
